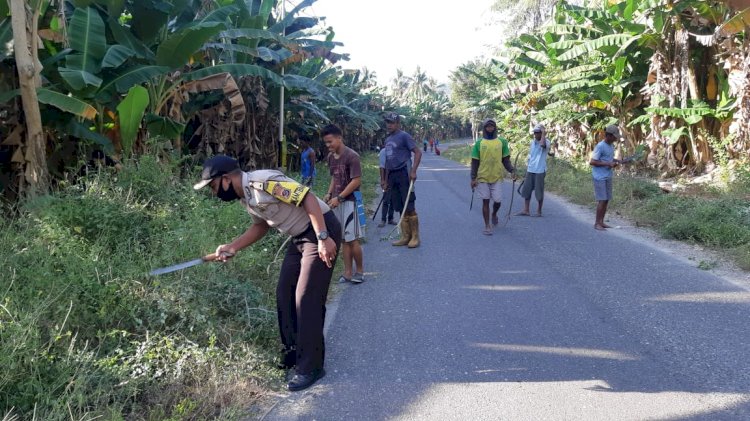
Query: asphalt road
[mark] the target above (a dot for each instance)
(548, 319)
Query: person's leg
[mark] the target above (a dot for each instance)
(601, 210)
(496, 197)
(356, 250)
(608, 189)
(526, 188)
(285, 304)
(486, 213)
(347, 252)
(539, 191)
(310, 299)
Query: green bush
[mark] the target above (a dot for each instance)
(85, 331)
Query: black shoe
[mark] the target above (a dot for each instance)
(303, 381)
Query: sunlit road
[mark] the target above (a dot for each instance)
(548, 319)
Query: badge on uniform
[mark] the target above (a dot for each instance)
(287, 191)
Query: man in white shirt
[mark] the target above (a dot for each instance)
(535, 172)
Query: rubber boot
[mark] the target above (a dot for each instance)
(414, 225)
(405, 232)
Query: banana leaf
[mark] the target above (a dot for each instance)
(86, 36)
(737, 23)
(117, 55)
(176, 50)
(595, 44)
(130, 113)
(134, 76)
(237, 71)
(78, 130)
(66, 103)
(163, 126)
(124, 37)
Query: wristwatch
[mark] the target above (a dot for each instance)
(340, 199)
(322, 235)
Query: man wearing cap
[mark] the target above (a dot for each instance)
(486, 173)
(275, 200)
(398, 149)
(602, 162)
(536, 170)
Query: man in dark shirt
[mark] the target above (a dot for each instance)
(398, 149)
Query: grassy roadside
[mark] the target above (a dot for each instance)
(715, 218)
(87, 334)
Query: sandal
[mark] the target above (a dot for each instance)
(487, 231)
(358, 278)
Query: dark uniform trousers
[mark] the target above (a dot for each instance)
(398, 184)
(301, 296)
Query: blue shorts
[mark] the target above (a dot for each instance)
(603, 189)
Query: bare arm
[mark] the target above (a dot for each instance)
(349, 189)
(415, 165)
(257, 230)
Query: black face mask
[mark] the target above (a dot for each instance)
(227, 195)
(488, 135)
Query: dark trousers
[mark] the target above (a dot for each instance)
(398, 184)
(387, 210)
(301, 296)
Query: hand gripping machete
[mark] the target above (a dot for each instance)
(207, 258)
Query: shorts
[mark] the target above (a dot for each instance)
(346, 213)
(535, 182)
(490, 191)
(603, 189)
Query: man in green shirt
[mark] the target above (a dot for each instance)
(486, 170)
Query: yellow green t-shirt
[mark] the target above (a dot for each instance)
(490, 153)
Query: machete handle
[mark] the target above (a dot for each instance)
(213, 256)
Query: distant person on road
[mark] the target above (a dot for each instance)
(424, 144)
(487, 155)
(602, 162)
(386, 210)
(432, 144)
(275, 200)
(399, 147)
(536, 171)
(346, 178)
(307, 162)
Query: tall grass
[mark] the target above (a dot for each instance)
(86, 333)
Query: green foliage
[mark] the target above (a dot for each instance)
(86, 333)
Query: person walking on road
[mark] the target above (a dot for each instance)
(486, 173)
(307, 162)
(275, 200)
(386, 210)
(346, 178)
(536, 170)
(602, 162)
(399, 147)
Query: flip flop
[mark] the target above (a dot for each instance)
(521, 214)
(342, 279)
(487, 231)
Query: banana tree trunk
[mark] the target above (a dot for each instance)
(25, 39)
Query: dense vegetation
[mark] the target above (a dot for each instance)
(160, 84)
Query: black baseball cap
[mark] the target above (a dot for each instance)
(216, 167)
(393, 117)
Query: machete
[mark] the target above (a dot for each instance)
(207, 258)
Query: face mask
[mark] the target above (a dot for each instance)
(227, 195)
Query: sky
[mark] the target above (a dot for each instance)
(384, 35)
